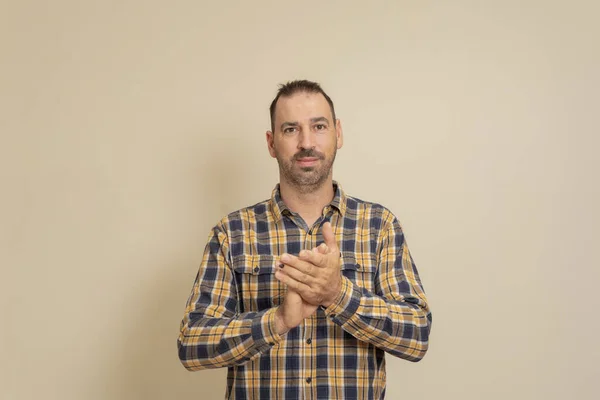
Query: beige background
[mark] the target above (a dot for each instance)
(130, 127)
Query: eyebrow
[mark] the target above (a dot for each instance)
(312, 121)
(286, 124)
(319, 119)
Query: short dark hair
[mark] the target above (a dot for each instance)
(298, 86)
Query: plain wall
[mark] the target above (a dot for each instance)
(129, 128)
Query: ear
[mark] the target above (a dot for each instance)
(339, 133)
(271, 143)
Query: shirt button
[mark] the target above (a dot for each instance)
(256, 269)
(332, 315)
(308, 380)
(308, 341)
(271, 344)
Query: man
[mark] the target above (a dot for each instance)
(300, 295)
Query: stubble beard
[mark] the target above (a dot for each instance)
(306, 179)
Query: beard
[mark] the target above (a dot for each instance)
(306, 179)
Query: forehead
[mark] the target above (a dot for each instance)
(302, 106)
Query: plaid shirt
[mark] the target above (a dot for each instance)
(338, 352)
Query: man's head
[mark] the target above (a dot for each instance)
(294, 87)
(304, 135)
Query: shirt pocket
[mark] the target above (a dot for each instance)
(360, 269)
(257, 287)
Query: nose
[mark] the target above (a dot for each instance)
(306, 140)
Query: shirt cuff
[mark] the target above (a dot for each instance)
(264, 333)
(346, 303)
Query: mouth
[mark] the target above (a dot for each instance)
(307, 161)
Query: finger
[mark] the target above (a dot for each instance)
(314, 258)
(298, 263)
(293, 284)
(322, 248)
(297, 275)
(329, 237)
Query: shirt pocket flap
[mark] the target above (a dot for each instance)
(348, 262)
(254, 265)
(363, 263)
(257, 287)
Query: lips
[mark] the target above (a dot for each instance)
(307, 161)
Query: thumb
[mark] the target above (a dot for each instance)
(329, 237)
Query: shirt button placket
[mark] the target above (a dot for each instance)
(310, 362)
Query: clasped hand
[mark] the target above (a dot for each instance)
(315, 275)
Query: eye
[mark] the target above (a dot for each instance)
(289, 129)
(320, 127)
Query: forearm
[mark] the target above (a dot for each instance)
(398, 326)
(214, 342)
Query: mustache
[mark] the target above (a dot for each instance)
(309, 153)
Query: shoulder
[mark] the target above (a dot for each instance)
(376, 213)
(236, 220)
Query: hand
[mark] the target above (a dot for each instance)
(315, 276)
(294, 309)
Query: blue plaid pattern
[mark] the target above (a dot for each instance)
(338, 352)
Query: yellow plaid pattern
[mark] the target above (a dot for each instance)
(338, 352)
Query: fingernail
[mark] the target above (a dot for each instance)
(285, 257)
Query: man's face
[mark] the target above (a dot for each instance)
(305, 140)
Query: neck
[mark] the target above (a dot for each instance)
(309, 204)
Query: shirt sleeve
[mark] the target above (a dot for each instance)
(212, 333)
(397, 318)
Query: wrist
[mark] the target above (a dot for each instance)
(335, 295)
(280, 326)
